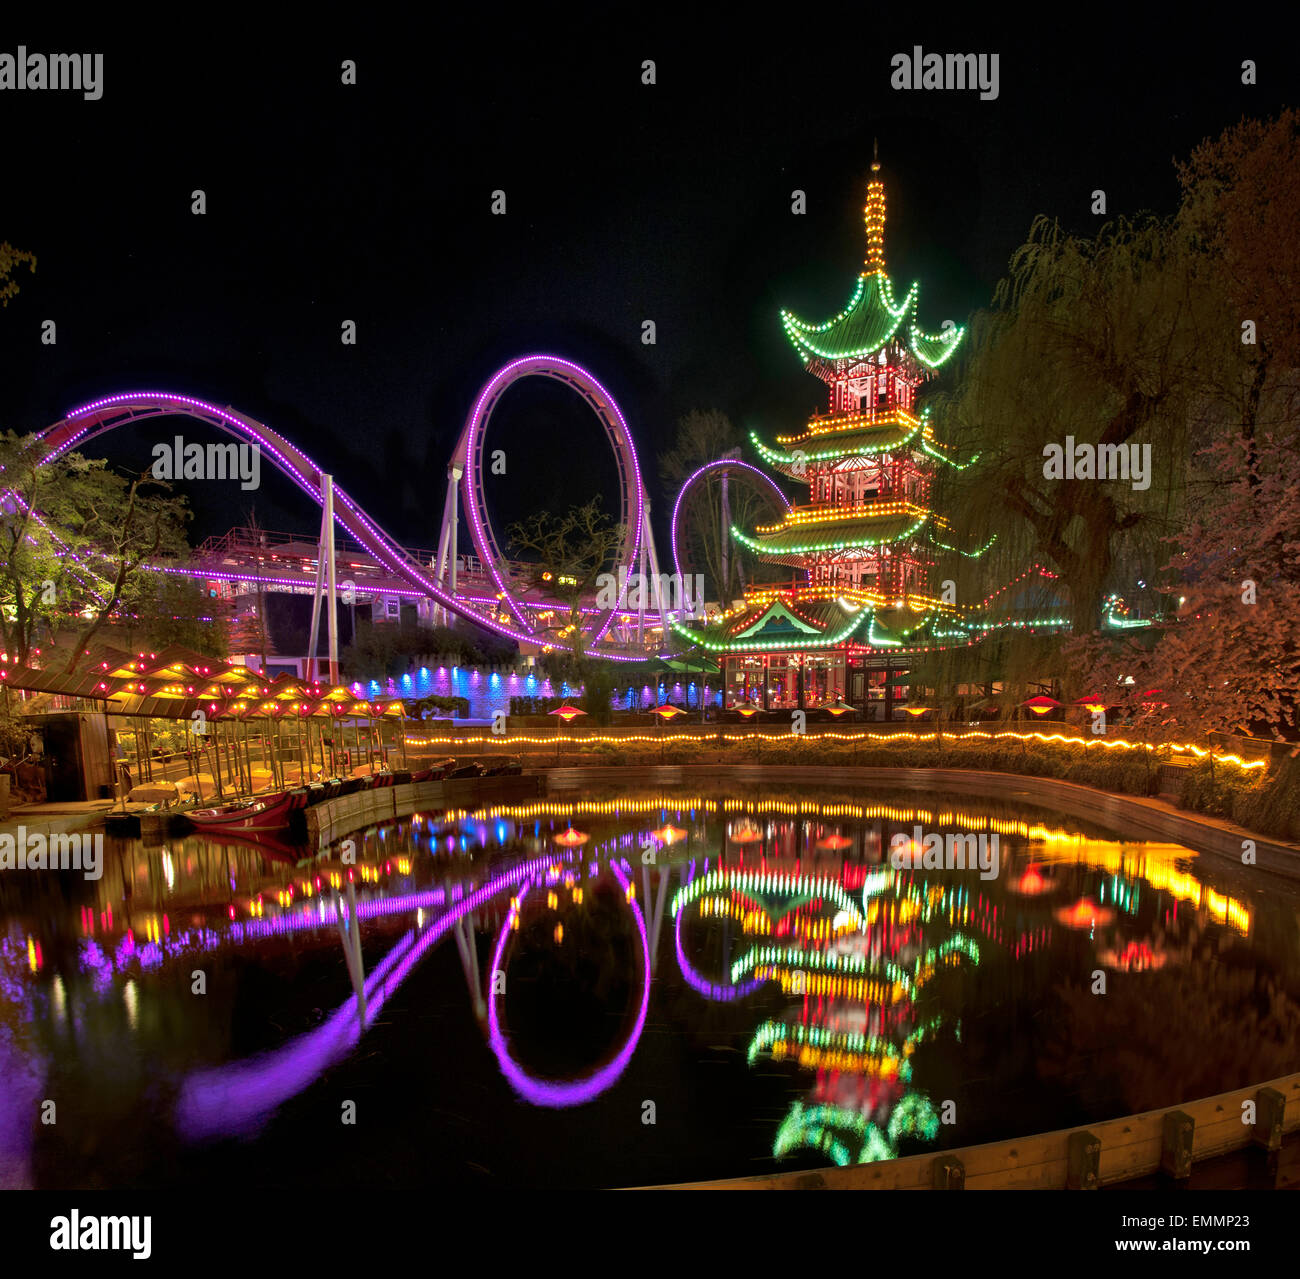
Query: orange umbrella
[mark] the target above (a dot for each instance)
(666, 712)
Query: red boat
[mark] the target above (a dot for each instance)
(267, 814)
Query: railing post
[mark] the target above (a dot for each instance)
(1176, 1133)
(949, 1173)
(1084, 1164)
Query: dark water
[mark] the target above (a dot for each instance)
(764, 990)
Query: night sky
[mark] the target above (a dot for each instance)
(625, 203)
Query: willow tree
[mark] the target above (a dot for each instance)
(1232, 659)
(1094, 342)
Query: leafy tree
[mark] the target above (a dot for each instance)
(177, 610)
(1102, 340)
(75, 539)
(131, 523)
(10, 258)
(1231, 661)
(568, 553)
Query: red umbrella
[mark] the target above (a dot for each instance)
(666, 712)
(1041, 705)
(567, 713)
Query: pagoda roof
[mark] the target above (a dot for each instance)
(853, 439)
(788, 623)
(780, 623)
(860, 530)
(873, 318)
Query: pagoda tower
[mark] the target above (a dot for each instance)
(861, 546)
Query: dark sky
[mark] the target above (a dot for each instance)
(625, 203)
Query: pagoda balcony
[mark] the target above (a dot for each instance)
(880, 504)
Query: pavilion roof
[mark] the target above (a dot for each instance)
(872, 319)
(793, 540)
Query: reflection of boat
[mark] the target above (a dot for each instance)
(268, 814)
(278, 850)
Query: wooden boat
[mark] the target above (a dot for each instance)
(465, 770)
(503, 768)
(270, 813)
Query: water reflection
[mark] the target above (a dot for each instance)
(887, 1005)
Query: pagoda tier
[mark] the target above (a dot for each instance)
(863, 593)
(843, 348)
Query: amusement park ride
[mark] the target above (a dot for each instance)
(486, 588)
(861, 553)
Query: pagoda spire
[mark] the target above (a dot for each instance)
(874, 216)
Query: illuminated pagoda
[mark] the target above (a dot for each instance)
(863, 545)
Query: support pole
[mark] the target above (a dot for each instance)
(724, 534)
(350, 933)
(332, 618)
(454, 473)
(313, 636)
(641, 570)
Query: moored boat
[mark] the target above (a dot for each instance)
(269, 813)
(434, 772)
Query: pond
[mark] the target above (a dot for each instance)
(628, 988)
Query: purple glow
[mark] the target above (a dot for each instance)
(575, 1092)
(710, 990)
(469, 452)
(112, 411)
(234, 1097)
(722, 464)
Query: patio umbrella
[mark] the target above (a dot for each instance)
(567, 713)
